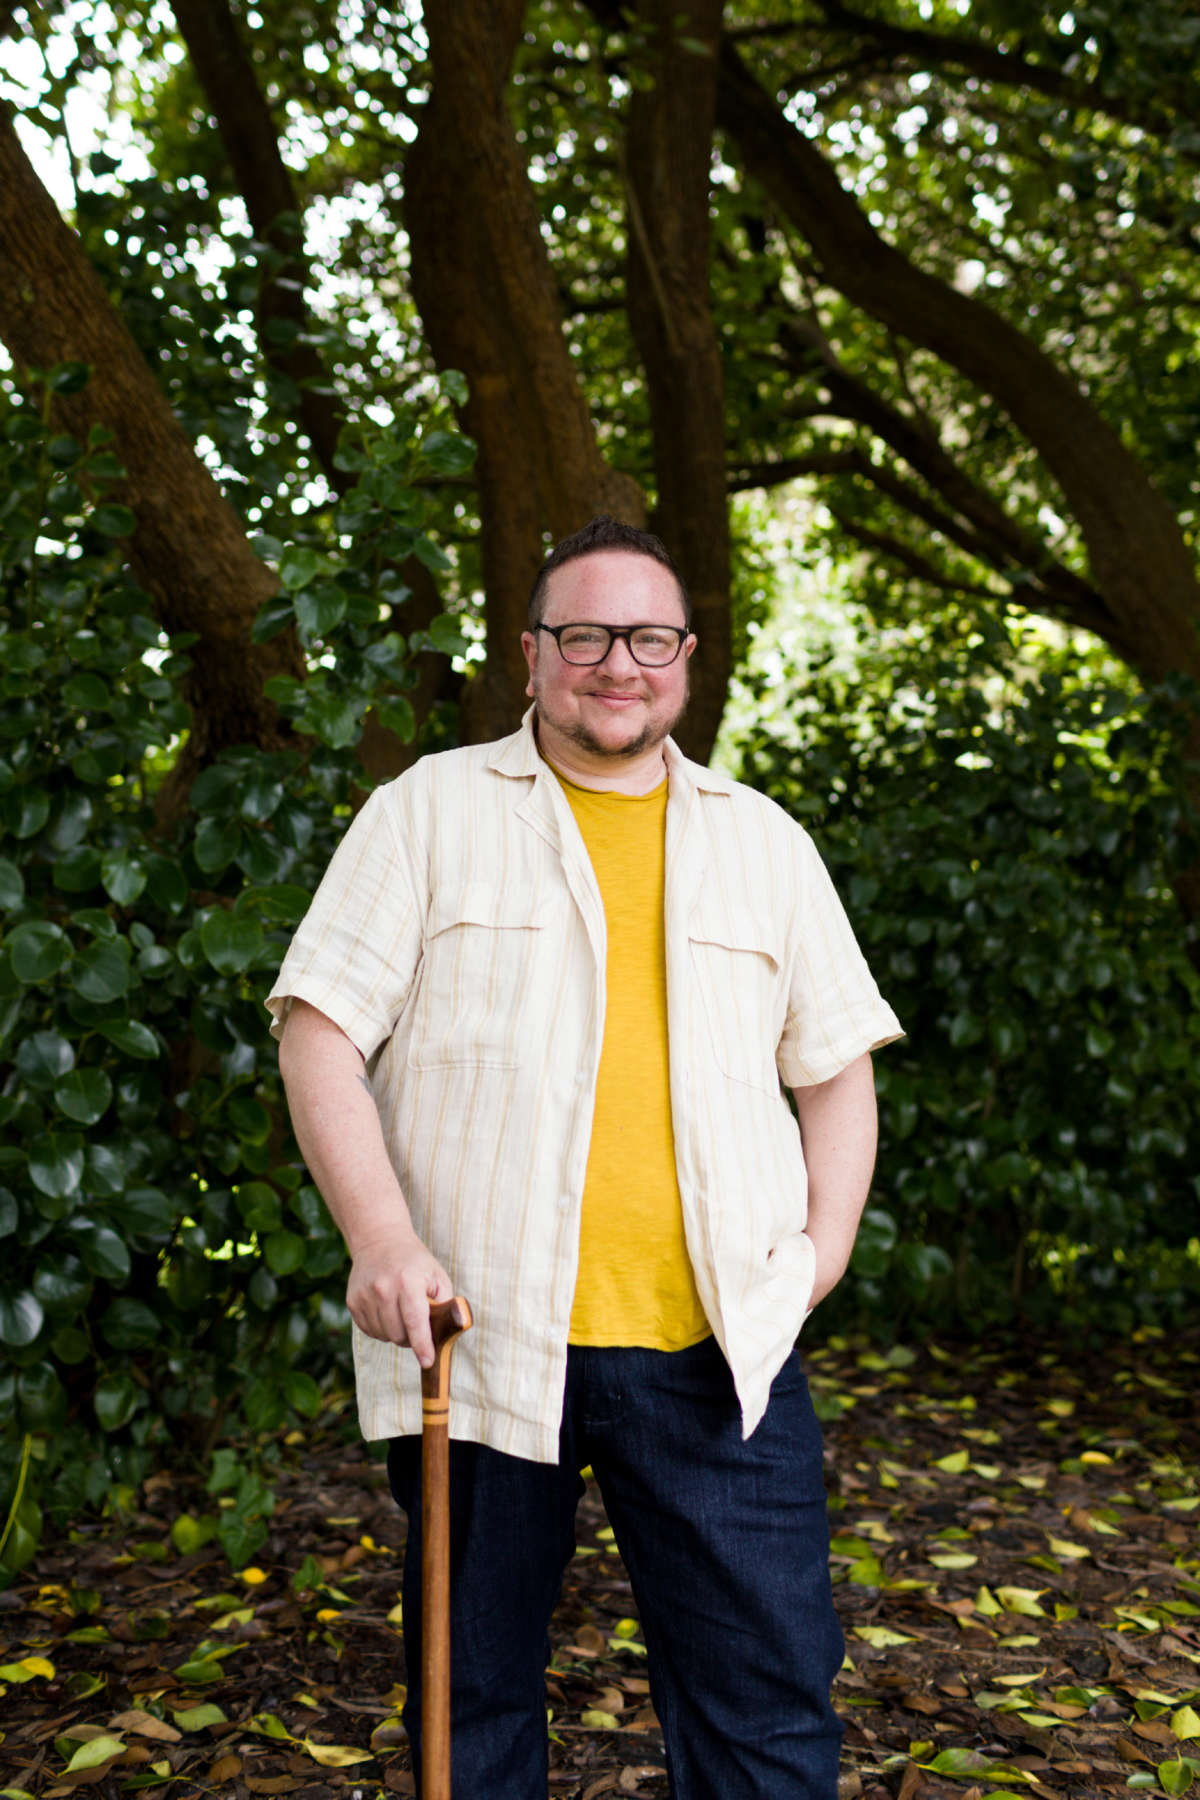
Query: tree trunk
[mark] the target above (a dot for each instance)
(230, 85)
(486, 293)
(668, 156)
(189, 549)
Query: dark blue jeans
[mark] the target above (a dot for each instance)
(727, 1548)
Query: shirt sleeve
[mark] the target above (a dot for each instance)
(357, 950)
(835, 1010)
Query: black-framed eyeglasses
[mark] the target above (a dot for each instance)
(654, 646)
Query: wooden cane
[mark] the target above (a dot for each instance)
(448, 1320)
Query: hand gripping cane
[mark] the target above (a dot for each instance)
(448, 1320)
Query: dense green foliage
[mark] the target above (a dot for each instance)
(170, 1275)
(1000, 824)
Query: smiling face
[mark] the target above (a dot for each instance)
(609, 720)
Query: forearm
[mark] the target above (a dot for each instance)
(838, 1128)
(337, 1128)
(393, 1276)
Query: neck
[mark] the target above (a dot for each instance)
(639, 774)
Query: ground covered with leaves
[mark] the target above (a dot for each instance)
(1017, 1557)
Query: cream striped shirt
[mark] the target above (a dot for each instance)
(458, 939)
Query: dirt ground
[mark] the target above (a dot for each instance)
(1016, 1548)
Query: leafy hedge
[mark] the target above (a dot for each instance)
(1001, 823)
(170, 1277)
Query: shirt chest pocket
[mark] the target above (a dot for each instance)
(479, 969)
(737, 968)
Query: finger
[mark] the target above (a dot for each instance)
(415, 1313)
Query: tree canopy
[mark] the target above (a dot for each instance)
(341, 313)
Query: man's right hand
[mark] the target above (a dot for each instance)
(393, 1280)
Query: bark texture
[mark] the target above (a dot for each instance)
(189, 550)
(668, 155)
(487, 296)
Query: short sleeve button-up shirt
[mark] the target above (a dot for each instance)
(458, 939)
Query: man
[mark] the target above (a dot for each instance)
(537, 1020)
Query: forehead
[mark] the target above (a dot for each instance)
(613, 587)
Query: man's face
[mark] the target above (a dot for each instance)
(617, 710)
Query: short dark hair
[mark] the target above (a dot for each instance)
(604, 533)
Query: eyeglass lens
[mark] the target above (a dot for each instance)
(591, 643)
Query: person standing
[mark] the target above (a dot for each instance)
(536, 1029)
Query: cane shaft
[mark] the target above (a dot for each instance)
(448, 1321)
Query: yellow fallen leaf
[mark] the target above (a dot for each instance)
(1185, 1722)
(28, 1669)
(1025, 1679)
(252, 1577)
(1061, 1547)
(957, 1463)
(1098, 1458)
(597, 1720)
(328, 1614)
(1021, 1600)
(880, 1637)
(954, 1559)
(335, 1756)
(987, 1603)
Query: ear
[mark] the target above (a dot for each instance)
(689, 643)
(529, 645)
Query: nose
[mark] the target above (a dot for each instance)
(630, 661)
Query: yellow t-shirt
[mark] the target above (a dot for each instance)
(635, 1283)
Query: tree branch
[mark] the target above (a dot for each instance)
(1140, 563)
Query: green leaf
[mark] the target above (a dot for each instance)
(44, 1057)
(446, 633)
(12, 885)
(297, 567)
(395, 713)
(198, 1718)
(29, 812)
(69, 377)
(84, 1095)
(116, 1399)
(131, 1037)
(87, 692)
(112, 521)
(123, 876)
(231, 942)
(103, 1252)
(284, 1251)
(56, 1164)
(62, 1285)
(216, 844)
(77, 871)
(102, 972)
(448, 452)
(302, 1393)
(320, 609)
(167, 883)
(21, 1319)
(250, 1119)
(131, 1325)
(38, 951)
(336, 722)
